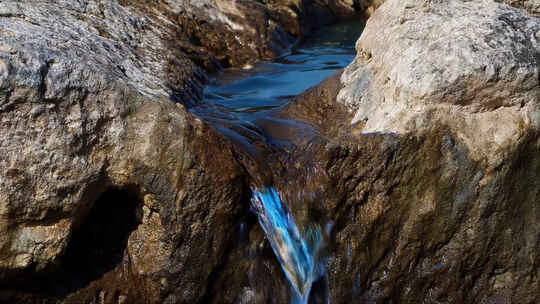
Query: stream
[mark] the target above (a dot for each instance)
(243, 103)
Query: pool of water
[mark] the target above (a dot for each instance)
(246, 98)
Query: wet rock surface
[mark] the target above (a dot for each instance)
(234, 33)
(433, 196)
(111, 193)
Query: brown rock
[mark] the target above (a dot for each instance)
(419, 216)
(108, 191)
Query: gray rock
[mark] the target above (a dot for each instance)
(473, 66)
(64, 92)
(109, 191)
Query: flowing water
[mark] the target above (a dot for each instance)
(297, 253)
(245, 100)
(239, 102)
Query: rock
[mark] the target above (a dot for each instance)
(369, 6)
(111, 193)
(108, 190)
(236, 33)
(318, 106)
(531, 6)
(433, 187)
(482, 82)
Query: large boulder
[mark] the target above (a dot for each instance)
(109, 191)
(470, 66)
(433, 185)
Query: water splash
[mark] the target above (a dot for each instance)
(298, 254)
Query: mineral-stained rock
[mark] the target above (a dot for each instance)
(531, 6)
(433, 189)
(111, 193)
(318, 106)
(233, 33)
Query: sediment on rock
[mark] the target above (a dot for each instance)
(415, 219)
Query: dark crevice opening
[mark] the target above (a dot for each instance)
(99, 244)
(319, 291)
(95, 248)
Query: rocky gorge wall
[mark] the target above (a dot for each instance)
(428, 166)
(89, 133)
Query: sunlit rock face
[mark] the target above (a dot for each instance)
(471, 66)
(85, 112)
(235, 33)
(432, 186)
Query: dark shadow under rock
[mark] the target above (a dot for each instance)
(98, 246)
(95, 249)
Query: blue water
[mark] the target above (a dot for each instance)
(297, 253)
(247, 95)
(241, 103)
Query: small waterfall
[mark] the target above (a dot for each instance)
(297, 253)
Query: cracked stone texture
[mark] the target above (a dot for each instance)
(85, 90)
(84, 103)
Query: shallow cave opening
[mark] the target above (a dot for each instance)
(96, 247)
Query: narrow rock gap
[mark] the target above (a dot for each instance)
(96, 247)
(99, 244)
(319, 291)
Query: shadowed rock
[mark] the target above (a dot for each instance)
(430, 171)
